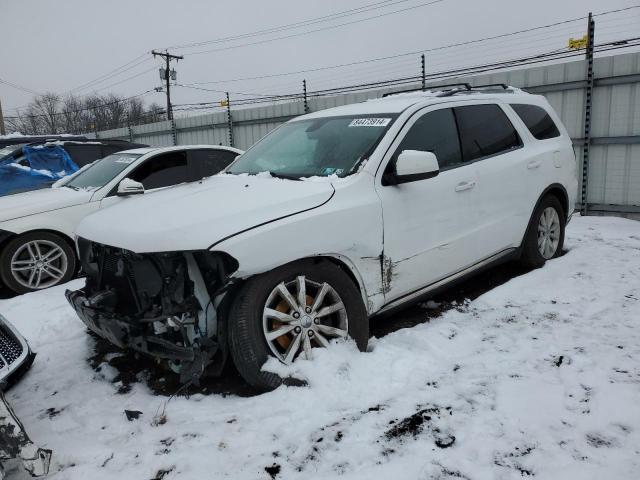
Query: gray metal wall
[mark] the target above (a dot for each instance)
(614, 166)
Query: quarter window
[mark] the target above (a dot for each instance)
(162, 171)
(485, 130)
(435, 132)
(537, 121)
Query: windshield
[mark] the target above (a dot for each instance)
(317, 147)
(9, 149)
(103, 171)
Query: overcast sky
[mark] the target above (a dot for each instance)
(61, 45)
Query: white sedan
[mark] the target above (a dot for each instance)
(36, 228)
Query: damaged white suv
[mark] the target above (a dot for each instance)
(332, 218)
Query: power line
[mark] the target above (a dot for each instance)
(110, 74)
(18, 87)
(415, 52)
(545, 57)
(331, 27)
(311, 21)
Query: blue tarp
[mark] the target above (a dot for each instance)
(39, 167)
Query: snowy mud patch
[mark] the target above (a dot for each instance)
(538, 378)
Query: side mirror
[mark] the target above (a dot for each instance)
(413, 165)
(129, 187)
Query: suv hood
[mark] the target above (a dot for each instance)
(197, 215)
(39, 201)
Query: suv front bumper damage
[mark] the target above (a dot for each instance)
(124, 333)
(159, 304)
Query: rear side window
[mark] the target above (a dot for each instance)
(435, 132)
(485, 130)
(83, 154)
(205, 163)
(162, 171)
(537, 121)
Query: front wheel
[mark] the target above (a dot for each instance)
(289, 312)
(35, 261)
(545, 237)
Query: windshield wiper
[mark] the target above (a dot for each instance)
(285, 176)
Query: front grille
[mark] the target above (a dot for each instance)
(10, 348)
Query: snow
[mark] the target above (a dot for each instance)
(538, 377)
(46, 173)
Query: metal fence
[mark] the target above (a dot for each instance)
(614, 145)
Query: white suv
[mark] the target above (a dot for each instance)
(334, 217)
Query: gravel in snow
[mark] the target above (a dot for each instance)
(539, 377)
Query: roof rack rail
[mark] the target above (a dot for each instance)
(434, 87)
(504, 86)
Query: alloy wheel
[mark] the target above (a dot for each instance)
(302, 314)
(548, 233)
(39, 264)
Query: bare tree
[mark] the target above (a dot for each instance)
(50, 114)
(47, 107)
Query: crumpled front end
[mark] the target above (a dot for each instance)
(160, 304)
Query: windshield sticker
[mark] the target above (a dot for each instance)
(370, 122)
(328, 171)
(126, 161)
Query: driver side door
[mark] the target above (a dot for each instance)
(427, 223)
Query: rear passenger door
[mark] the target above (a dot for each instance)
(207, 162)
(490, 141)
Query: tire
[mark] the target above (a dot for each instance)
(532, 255)
(248, 328)
(22, 252)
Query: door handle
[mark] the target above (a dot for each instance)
(534, 164)
(461, 187)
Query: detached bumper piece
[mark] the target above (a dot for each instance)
(15, 359)
(15, 443)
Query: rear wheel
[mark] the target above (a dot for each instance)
(35, 261)
(289, 312)
(545, 237)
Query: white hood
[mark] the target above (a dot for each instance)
(40, 201)
(195, 216)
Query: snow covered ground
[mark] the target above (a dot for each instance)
(539, 377)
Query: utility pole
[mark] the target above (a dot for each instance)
(2, 130)
(167, 76)
(584, 210)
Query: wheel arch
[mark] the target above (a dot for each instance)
(556, 190)
(64, 236)
(344, 263)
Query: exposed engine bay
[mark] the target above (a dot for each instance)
(161, 304)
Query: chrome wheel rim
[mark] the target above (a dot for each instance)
(548, 233)
(39, 264)
(300, 315)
